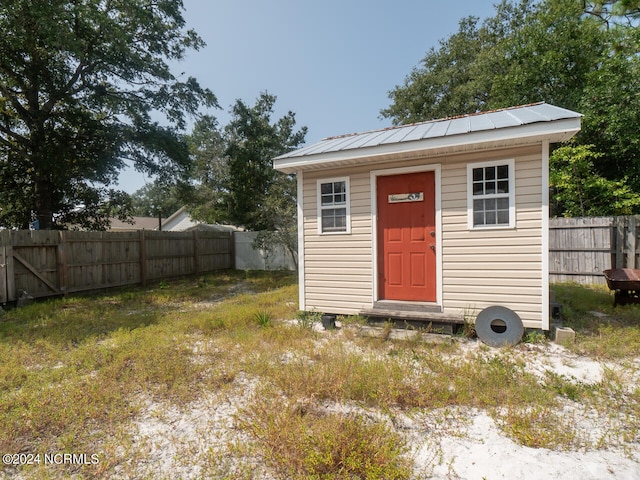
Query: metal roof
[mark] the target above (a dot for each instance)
(431, 133)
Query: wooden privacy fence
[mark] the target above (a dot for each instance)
(44, 263)
(580, 249)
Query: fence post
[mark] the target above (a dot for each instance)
(3, 267)
(196, 252)
(61, 254)
(631, 242)
(143, 257)
(11, 275)
(620, 241)
(232, 249)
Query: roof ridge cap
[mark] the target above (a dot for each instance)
(435, 120)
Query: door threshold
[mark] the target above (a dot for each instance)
(407, 306)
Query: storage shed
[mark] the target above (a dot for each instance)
(434, 221)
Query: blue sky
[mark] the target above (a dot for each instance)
(331, 62)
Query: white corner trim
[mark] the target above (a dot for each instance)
(545, 235)
(300, 209)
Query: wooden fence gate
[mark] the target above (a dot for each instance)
(44, 263)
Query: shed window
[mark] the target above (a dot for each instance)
(491, 195)
(333, 205)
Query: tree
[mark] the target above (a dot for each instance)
(549, 57)
(613, 12)
(457, 77)
(578, 191)
(558, 51)
(235, 182)
(526, 53)
(252, 142)
(210, 172)
(157, 199)
(611, 107)
(234, 173)
(79, 82)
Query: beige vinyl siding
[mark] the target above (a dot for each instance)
(338, 268)
(479, 267)
(494, 266)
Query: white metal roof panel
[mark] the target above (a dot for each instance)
(379, 139)
(367, 140)
(503, 119)
(416, 132)
(459, 126)
(438, 129)
(481, 122)
(526, 116)
(436, 133)
(399, 134)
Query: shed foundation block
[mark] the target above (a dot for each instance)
(565, 335)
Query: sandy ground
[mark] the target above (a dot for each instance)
(452, 444)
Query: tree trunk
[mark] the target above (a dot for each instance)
(43, 204)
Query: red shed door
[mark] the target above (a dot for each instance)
(407, 237)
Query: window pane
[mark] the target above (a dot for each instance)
(490, 173)
(478, 205)
(503, 186)
(477, 175)
(503, 217)
(340, 199)
(478, 188)
(334, 220)
(339, 187)
(326, 188)
(327, 220)
(478, 218)
(327, 200)
(503, 204)
(503, 171)
(490, 188)
(490, 204)
(490, 218)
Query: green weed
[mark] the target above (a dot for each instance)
(263, 318)
(298, 441)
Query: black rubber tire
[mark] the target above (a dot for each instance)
(499, 326)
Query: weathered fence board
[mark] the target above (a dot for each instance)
(580, 249)
(44, 263)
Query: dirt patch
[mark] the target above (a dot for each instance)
(454, 443)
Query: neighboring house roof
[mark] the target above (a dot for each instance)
(178, 221)
(512, 126)
(181, 221)
(139, 223)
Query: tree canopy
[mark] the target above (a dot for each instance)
(579, 55)
(234, 176)
(81, 83)
(234, 179)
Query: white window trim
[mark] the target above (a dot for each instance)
(512, 194)
(319, 182)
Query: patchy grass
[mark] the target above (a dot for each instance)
(616, 336)
(300, 440)
(77, 374)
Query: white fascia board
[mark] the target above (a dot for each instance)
(554, 131)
